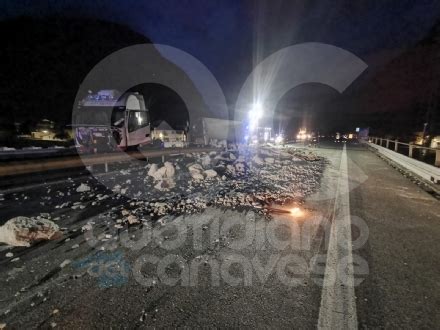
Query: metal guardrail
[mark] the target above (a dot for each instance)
(411, 147)
(28, 167)
(421, 169)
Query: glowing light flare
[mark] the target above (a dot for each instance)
(257, 111)
(255, 115)
(279, 139)
(302, 134)
(296, 212)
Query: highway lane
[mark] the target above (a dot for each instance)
(399, 289)
(273, 295)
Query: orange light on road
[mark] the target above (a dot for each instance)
(296, 212)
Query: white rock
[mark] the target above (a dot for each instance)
(206, 161)
(132, 219)
(196, 175)
(9, 255)
(87, 227)
(116, 188)
(65, 263)
(232, 156)
(83, 188)
(152, 169)
(23, 231)
(160, 173)
(195, 167)
(170, 171)
(210, 174)
(269, 160)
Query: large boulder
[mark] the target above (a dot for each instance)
(206, 161)
(196, 171)
(23, 231)
(170, 170)
(160, 173)
(152, 169)
(210, 174)
(197, 175)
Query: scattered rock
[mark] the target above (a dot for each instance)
(257, 160)
(250, 177)
(88, 226)
(240, 168)
(210, 174)
(160, 173)
(170, 171)
(132, 219)
(230, 169)
(83, 188)
(152, 169)
(23, 231)
(65, 263)
(206, 161)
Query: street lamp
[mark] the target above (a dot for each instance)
(424, 132)
(255, 115)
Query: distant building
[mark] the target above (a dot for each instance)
(44, 130)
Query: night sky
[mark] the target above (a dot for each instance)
(231, 36)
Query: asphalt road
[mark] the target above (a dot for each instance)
(402, 288)
(228, 268)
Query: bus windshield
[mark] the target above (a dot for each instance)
(137, 120)
(100, 116)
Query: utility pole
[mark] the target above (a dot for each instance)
(424, 132)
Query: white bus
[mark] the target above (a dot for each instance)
(109, 121)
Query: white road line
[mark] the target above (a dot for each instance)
(338, 304)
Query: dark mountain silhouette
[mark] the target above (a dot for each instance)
(402, 95)
(44, 61)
